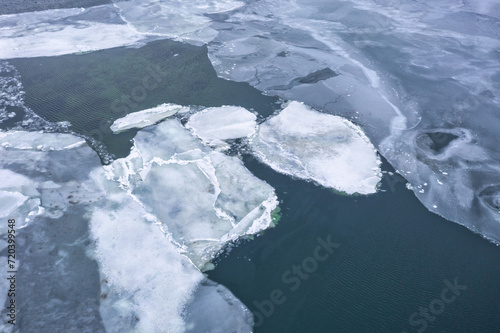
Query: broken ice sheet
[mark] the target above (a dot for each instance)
(203, 198)
(146, 282)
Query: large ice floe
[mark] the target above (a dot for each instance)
(326, 149)
(185, 20)
(136, 232)
(224, 200)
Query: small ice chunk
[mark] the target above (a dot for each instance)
(39, 141)
(217, 124)
(327, 149)
(146, 117)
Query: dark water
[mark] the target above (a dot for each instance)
(388, 256)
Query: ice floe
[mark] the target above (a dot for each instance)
(146, 117)
(215, 125)
(203, 198)
(326, 149)
(148, 283)
(123, 23)
(404, 69)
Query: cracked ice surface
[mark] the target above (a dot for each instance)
(113, 260)
(203, 198)
(63, 31)
(326, 149)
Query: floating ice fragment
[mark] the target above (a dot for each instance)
(10, 201)
(214, 125)
(146, 117)
(327, 149)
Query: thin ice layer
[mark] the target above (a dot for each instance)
(64, 31)
(320, 147)
(214, 125)
(146, 117)
(185, 20)
(203, 198)
(47, 198)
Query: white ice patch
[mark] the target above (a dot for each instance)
(146, 117)
(43, 39)
(65, 31)
(326, 149)
(147, 281)
(214, 125)
(183, 20)
(39, 141)
(9, 201)
(203, 198)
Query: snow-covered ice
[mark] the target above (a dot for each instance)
(326, 149)
(148, 283)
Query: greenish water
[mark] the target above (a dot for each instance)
(389, 257)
